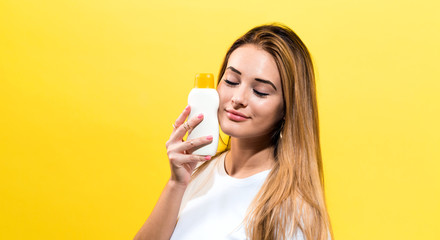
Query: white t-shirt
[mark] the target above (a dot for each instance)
(215, 204)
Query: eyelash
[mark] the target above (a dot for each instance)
(260, 94)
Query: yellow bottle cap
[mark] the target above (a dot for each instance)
(204, 80)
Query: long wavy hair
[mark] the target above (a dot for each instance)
(292, 197)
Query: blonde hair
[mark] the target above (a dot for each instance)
(292, 196)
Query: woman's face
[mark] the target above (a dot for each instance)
(251, 98)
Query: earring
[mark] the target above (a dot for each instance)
(282, 127)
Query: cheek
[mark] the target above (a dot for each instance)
(271, 111)
(223, 95)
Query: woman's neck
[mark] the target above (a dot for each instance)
(248, 157)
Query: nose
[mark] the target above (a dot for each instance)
(239, 98)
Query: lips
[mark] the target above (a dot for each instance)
(236, 116)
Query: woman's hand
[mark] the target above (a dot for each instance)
(182, 161)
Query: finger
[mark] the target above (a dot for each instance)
(182, 117)
(187, 127)
(192, 145)
(201, 143)
(191, 158)
(178, 160)
(197, 123)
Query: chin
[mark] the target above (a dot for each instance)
(228, 131)
(237, 131)
(233, 129)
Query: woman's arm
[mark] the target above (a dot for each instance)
(163, 218)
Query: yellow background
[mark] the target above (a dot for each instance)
(89, 90)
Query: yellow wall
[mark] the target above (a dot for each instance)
(89, 90)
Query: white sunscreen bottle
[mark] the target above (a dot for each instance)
(204, 99)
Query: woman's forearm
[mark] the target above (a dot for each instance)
(162, 220)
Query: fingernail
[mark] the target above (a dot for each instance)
(200, 116)
(209, 138)
(187, 107)
(208, 157)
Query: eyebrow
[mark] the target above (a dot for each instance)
(256, 79)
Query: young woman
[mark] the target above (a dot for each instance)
(268, 184)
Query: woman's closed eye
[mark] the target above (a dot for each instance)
(260, 94)
(230, 82)
(256, 92)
